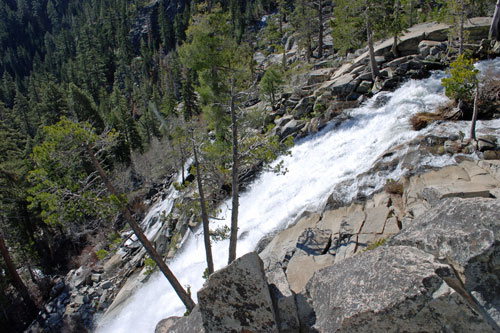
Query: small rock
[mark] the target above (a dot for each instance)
(96, 277)
(106, 284)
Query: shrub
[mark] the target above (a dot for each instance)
(149, 265)
(101, 254)
(463, 79)
(391, 186)
(376, 244)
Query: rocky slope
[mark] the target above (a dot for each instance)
(421, 255)
(320, 239)
(437, 269)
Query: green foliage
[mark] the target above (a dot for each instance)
(213, 52)
(376, 244)
(219, 234)
(149, 266)
(188, 290)
(270, 84)
(348, 26)
(302, 17)
(205, 274)
(114, 238)
(65, 186)
(463, 79)
(101, 254)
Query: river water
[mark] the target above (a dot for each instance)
(317, 164)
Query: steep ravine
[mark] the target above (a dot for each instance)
(337, 154)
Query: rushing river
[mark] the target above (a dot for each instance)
(317, 164)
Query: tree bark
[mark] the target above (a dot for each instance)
(16, 279)
(395, 37)
(320, 33)
(474, 115)
(411, 13)
(235, 184)
(179, 289)
(461, 28)
(371, 51)
(204, 214)
(495, 23)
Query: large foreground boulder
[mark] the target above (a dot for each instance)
(391, 289)
(465, 233)
(237, 299)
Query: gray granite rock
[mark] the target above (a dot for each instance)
(390, 289)
(466, 234)
(236, 298)
(190, 324)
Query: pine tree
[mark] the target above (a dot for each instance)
(189, 98)
(67, 141)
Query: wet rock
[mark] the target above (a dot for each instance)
(390, 289)
(236, 298)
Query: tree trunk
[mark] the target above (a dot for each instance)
(320, 33)
(183, 295)
(474, 115)
(495, 23)
(16, 279)
(369, 37)
(235, 185)
(461, 28)
(411, 13)
(204, 214)
(395, 37)
(309, 47)
(281, 19)
(283, 59)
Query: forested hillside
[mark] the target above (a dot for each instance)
(147, 85)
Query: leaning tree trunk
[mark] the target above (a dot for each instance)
(204, 214)
(183, 295)
(495, 23)
(233, 238)
(16, 279)
(371, 51)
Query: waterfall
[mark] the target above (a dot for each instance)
(318, 163)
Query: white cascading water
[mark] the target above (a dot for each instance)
(317, 164)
